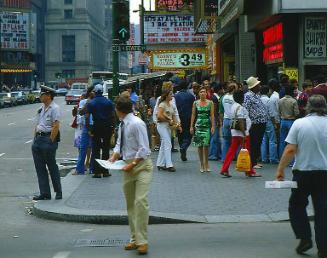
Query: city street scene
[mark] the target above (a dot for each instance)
(163, 128)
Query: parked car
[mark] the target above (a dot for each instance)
(2, 102)
(13, 98)
(7, 99)
(73, 96)
(20, 96)
(30, 97)
(36, 94)
(61, 92)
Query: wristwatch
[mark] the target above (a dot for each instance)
(134, 163)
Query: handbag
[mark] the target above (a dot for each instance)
(243, 163)
(238, 123)
(74, 123)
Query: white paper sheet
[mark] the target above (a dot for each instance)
(117, 165)
(280, 184)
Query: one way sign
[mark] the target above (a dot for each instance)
(128, 48)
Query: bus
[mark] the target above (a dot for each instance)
(101, 76)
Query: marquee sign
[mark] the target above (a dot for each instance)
(174, 5)
(15, 31)
(186, 59)
(315, 30)
(170, 29)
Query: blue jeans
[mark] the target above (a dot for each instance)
(44, 156)
(269, 141)
(227, 137)
(285, 126)
(215, 145)
(84, 145)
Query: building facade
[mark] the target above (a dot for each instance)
(76, 40)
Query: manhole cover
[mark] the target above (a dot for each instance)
(108, 242)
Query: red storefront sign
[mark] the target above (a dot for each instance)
(273, 51)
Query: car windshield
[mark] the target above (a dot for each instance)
(75, 92)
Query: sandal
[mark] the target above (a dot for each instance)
(225, 174)
(254, 175)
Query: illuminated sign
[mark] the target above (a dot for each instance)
(273, 51)
(16, 70)
(15, 31)
(173, 5)
(170, 29)
(186, 59)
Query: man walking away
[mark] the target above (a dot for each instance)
(137, 173)
(45, 145)
(102, 111)
(307, 142)
(184, 103)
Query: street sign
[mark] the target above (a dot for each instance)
(128, 48)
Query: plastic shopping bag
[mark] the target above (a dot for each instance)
(243, 163)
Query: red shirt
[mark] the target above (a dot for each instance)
(320, 89)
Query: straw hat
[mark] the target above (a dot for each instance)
(252, 82)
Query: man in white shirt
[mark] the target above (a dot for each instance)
(133, 147)
(307, 142)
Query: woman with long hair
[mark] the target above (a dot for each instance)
(239, 138)
(166, 122)
(202, 126)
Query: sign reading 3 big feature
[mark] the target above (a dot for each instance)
(170, 29)
(186, 59)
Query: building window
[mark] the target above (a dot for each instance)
(68, 48)
(68, 14)
(68, 74)
(68, 1)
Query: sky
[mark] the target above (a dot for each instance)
(134, 5)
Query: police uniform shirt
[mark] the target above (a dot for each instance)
(135, 139)
(46, 117)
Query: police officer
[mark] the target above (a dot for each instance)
(45, 145)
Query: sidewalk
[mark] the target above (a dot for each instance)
(184, 196)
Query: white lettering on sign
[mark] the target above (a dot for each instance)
(167, 29)
(315, 37)
(195, 59)
(15, 30)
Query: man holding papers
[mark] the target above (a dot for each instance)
(133, 147)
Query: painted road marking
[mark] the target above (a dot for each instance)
(30, 119)
(28, 141)
(61, 255)
(1, 154)
(12, 124)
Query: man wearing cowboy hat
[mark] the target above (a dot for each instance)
(258, 114)
(45, 145)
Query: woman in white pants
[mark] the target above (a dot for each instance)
(166, 117)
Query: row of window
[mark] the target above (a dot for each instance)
(68, 1)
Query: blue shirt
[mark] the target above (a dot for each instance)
(101, 109)
(134, 98)
(184, 103)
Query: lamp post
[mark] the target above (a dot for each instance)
(35, 81)
(1, 51)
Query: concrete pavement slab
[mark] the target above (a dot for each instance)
(184, 196)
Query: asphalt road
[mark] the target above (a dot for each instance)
(22, 235)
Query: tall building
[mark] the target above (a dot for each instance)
(76, 40)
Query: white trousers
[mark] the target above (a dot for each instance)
(164, 157)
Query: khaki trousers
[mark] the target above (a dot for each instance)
(136, 187)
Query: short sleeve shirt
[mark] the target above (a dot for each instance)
(46, 117)
(168, 110)
(309, 134)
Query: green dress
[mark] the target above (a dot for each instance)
(202, 125)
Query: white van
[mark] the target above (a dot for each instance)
(79, 86)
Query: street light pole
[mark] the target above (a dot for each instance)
(0, 51)
(115, 53)
(142, 29)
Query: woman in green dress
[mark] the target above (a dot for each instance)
(202, 126)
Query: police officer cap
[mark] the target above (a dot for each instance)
(98, 88)
(47, 90)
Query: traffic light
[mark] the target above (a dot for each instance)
(121, 8)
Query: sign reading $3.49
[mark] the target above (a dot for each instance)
(187, 59)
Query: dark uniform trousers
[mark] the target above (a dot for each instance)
(44, 155)
(102, 132)
(309, 183)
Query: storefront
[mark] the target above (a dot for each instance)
(313, 54)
